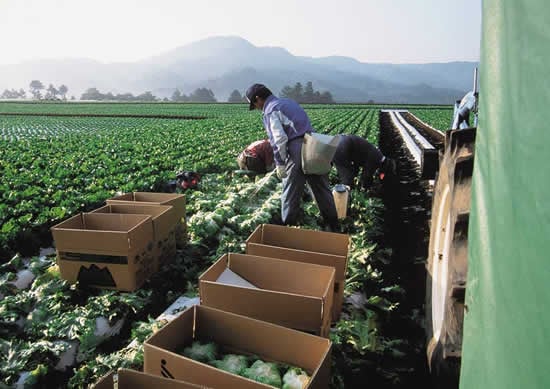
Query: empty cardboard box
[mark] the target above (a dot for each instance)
(304, 245)
(233, 334)
(292, 294)
(132, 379)
(165, 220)
(173, 199)
(112, 251)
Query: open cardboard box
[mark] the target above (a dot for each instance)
(236, 334)
(112, 251)
(304, 245)
(132, 379)
(292, 294)
(173, 199)
(165, 220)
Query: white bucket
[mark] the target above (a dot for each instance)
(340, 193)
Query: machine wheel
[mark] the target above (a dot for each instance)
(447, 263)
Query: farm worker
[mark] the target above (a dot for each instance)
(258, 157)
(355, 153)
(286, 123)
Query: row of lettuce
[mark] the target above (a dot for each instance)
(55, 166)
(76, 335)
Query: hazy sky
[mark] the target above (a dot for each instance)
(397, 31)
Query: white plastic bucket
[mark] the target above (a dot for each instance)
(340, 193)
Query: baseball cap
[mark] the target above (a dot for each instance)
(254, 90)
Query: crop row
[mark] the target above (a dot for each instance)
(55, 166)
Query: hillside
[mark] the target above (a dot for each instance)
(227, 63)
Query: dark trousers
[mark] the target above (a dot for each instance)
(293, 189)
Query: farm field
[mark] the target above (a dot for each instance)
(56, 166)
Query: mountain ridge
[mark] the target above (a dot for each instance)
(226, 63)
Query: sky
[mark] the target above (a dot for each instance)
(390, 31)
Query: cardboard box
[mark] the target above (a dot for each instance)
(173, 199)
(303, 245)
(112, 251)
(292, 294)
(132, 379)
(165, 220)
(236, 334)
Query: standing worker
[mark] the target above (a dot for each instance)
(286, 123)
(257, 157)
(355, 153)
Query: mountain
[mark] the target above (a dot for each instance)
(227, 63)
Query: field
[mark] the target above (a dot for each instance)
(56, 166)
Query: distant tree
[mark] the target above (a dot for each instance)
(309, 93)
(51, 92)
(22, 93)
(235, 97)
(146, 96)
(91, 94)
(63, 91)
(12, 94)
(288, 92)
(299, 92)
(326, 98)
(165, 99)
(124, 97)
(203, 95)
(316, 97)
(176, 96)
(35, 87)
(73, 98)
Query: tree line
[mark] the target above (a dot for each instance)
(35, 88)
(200, 95)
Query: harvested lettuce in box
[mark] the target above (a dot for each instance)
(232, 363)
(264, 372)
(295, 378)
(201, 352)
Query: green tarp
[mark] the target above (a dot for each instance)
(507, 324)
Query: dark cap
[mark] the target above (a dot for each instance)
(256, 90)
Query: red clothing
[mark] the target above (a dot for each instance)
(262, 150)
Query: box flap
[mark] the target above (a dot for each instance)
(103, 233)
(339, 263)
(264, 339)
(290, 310)
(282, 275)
(229, 277)
(164, 216)
(305, 239)
(174, 199)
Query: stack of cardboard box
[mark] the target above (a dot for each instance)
(120, 245)
(276, 302)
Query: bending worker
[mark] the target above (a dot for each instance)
(258, 157)
(286, 123)
(355, 153)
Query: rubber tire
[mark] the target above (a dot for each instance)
(447, 263)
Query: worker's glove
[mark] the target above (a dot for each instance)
(281, 172)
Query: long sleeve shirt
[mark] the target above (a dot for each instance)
(284, 120)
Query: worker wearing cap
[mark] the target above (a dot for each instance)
(355, 153)
(258, 157)
(286, 123)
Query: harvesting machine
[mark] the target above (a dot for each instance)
(487, 270)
